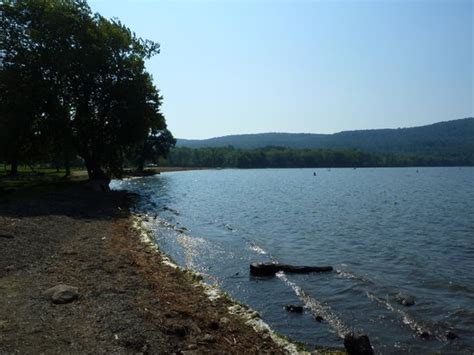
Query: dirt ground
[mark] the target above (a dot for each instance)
(129, 301)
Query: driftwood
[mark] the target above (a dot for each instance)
(291, 308)
(358, 344)
(270, 269)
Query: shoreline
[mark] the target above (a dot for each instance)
(130, 298)
(243, 312)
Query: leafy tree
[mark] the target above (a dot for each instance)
(157, 145)
(87, 90)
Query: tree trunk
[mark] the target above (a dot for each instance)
(14, 168)
(95, 171)
(141, 165)
(141, 159)
(98, 179)
(89, 171)
(67, 165)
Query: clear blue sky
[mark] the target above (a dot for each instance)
(229, 67)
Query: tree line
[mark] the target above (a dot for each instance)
(74, 84)
(280, 157)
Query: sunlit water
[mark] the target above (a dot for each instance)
(383, 230)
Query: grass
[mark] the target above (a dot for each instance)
(26, 170)
(39, 177)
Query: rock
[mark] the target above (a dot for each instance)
(293, 308)
(62, 294)
(358, 344)
(178, 330)
(319, 318)
(9, 268)
(423, 334)
(450, 335)
(270, 269)
(405, 299)
(134, 341)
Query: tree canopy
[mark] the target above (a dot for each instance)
(282, 157)
(74, 83)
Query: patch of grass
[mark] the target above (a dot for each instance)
(35, 170)
(40, 177)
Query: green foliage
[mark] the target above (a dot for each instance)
(74, 83)
(280, 157)
(29, 177)
(155, 146)
(451, 140)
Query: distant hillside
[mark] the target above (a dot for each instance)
(445, 138)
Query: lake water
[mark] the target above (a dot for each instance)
(384, 231)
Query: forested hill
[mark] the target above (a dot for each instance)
(445, 138)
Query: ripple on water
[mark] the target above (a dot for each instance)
(393, 230)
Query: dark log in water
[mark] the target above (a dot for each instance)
(291, 308)
(270, 269)
(358, 344)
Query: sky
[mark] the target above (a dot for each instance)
(321, 66)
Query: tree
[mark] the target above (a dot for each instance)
(88, 91)
(157, 145)
(20, 91)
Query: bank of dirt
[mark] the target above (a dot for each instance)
(130, 302)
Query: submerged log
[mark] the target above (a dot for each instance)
(291, 308)
(358, 344)
(270, 269)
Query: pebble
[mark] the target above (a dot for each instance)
(62, 294)
(451, 336)
(404, 299)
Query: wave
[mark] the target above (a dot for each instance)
(317, 308)
(351, 276)
(420, 328)
(229, 227)
(257, 249)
